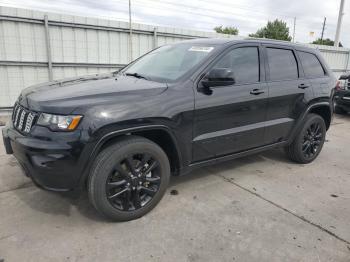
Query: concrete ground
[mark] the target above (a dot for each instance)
(258, 208)
(4, 116)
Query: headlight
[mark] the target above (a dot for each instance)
(59, 122)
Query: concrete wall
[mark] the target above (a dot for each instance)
(34, 51)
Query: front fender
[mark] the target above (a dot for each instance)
(100, 141)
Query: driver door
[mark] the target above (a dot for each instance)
(230, 119)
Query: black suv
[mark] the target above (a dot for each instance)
(342, 95)
(181, 106)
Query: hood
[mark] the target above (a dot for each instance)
(64, 96)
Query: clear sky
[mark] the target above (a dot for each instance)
(248, 16)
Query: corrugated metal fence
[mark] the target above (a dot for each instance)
(36, 47)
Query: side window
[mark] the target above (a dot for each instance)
(282, 64)
(244, 62)
(311, 65)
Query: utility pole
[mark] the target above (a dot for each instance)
(130, 30)
(295, 21)
(323, 27)
(340, 18)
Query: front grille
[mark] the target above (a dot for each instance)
(23, 119)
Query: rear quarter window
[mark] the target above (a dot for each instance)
(311, 65)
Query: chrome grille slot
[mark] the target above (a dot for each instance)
(23, 119)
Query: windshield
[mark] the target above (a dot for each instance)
(168, 63)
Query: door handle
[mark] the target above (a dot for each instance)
(303, 86)
(256, 91)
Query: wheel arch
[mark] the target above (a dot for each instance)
(159, 134)
(323, 109)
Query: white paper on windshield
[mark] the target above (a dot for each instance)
(205, 49)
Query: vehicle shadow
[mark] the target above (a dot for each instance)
(58, 203)
(54, 203)
(343, 116)
(273, 155)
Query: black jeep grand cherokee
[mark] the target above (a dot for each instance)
(181, 106)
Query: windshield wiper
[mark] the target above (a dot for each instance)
(136, 75)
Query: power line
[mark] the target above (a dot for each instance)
(220, 16)
(175, 7)
(226, 5)
(164, 3)
(231, 20)
(205, 16)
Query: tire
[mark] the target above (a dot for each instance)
(303, 140)
(122, 201)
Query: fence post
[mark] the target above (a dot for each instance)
(347, 63)
(155, 38)
(48, 47)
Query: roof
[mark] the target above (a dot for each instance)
(210, 41)
(219, 41)
(272, 41)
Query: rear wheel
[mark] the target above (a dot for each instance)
(308, 143)
(128, 179)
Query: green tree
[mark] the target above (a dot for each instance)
(229, 30)
(277, 29)
(326, 41)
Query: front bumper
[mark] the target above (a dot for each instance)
(50, 159)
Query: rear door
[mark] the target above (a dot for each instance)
(289, 91)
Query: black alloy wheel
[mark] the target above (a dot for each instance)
(134, 182)
(128, 178)
(308, 142)
(312, 140)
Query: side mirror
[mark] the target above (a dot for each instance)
(218, 77)
(345, 77)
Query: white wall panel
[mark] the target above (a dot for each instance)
(4, 86)
(85, 43)
(63, 72)
(15, 78)
(22, 42)
(81, 50)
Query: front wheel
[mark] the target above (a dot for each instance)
(309, 141)
(129, 178)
